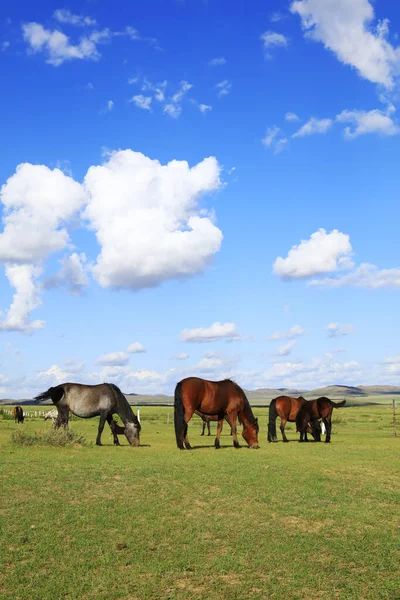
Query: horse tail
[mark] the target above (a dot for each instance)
(54, 394)
(337, 404)
(179, 416)
(272, 421)
(123, 407)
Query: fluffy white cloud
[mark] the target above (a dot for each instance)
(290, 116)
(204, 108)
(62, 15)
(182, 356)
(322, 253)
(143, 102)
(136, 348)
(340, 329)
(72, 274)
(272, 40)
(293, 332)
(285, 349)
(223, 88)
(25, 299)
(313, 126)
(364, 276)
(157, 89)
(173, 110)
(373, 121)
(152, 231)
(217, 331)
(345, 28)
(217, 62)
(274, 140)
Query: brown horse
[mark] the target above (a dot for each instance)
(313, 410)
(206, 421)
(18, 414)
(214, 398)
(286, 408)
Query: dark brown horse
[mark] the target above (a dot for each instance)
(286, 408)
(214, 398)
(18, 414)
(206, 421)
(313, 410)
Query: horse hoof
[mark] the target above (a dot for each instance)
(188, 447)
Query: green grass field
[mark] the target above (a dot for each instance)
(288, 521)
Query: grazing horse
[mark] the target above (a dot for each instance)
(213, 398)
(87, 401)
(18, 414)
(206, 421)
(313, 410)
(286, 408)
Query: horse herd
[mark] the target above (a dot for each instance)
(211, 400)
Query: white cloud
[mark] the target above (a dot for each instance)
(373, 121)
(339, 329)
(153, 230)
(217, 331)
(204, 108)
(143, 102)
(25, 299)
(115, 359)
(277, 16)
(57, 47)
(322, 253)
(291, 116)
(38, 202)
(182, 356)
(110, 105)
(272, 40)
(217, 62)
(285, 349)
(157, 89)
(293, 332)
(173, 110)
(314, 125)
(63, 15)
(345, 28)
(182, 91)
(364, 276)
(72, 274)
(273, 141)
(224, 87)
(136, 348)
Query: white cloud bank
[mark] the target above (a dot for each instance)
(153, 230)
(217, 331)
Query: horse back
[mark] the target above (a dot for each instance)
(211, 397)
(288, 407)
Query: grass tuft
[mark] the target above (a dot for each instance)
(52, 437)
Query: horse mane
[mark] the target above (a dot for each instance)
(124, 409)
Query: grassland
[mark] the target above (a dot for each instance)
(288, 521)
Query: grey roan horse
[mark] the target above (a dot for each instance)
(88, 401)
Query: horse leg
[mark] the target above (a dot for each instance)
(328, 426)
(208, 427)
(188, 416)
(219, 429)
(282, 428)
(204, 427)
(232, 420)
(103, 417)
(111, 423)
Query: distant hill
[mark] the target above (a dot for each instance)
(355, 395)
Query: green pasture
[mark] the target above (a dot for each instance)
(288, 521)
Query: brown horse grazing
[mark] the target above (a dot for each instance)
(286, 408)
(18, 414)
(214, 398)
(206, 421)
(313, 410)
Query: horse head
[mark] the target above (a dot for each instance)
(250, 433)
(132, 433)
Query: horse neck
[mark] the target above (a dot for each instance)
(246, 414)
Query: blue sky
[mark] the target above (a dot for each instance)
(199, 188)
